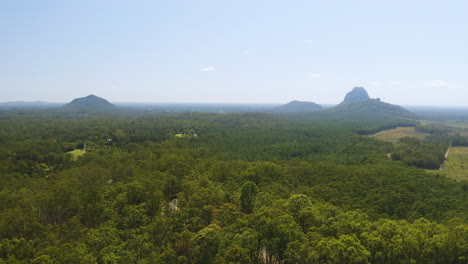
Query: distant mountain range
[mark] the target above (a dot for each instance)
(357, 111)
(29, 105)
(356, 105)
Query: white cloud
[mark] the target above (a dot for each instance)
(438, 83)
(310, 41)
(314, 75)
(208, 69)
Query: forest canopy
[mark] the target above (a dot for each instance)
(222, 188)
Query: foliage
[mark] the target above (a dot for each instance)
(427, 154)
(248, 197)
(459, 140)
(250, 188)
(432, 129)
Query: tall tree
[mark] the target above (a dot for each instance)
(248, 196)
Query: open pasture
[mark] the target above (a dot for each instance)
(393, 135)
(456, 165)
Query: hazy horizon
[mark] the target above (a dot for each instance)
(238, 103)
(242, 52)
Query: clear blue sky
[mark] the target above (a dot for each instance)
(243, 51)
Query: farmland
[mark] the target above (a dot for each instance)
(393, 135)
(456, 165)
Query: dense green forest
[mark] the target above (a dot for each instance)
(426, 154)
(223, 188)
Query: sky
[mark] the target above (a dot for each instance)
(244, 51)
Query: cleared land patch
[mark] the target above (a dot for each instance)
(393, 135)
(76, 153)
(456, 165)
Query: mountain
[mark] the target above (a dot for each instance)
(90, 102)
(357, 94)
(297, 107)
(357, 102)
(365, 115)
(371, 107)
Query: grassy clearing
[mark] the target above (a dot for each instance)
(456, 165)
(393, 135)
(76, 153)
(185, 135)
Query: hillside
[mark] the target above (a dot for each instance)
(297, 107)
(368, 116)
(90, 102)
(371, 107)
(357, 112)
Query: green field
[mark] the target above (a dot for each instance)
(393, 135)
(76, 153)
(456, 165)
